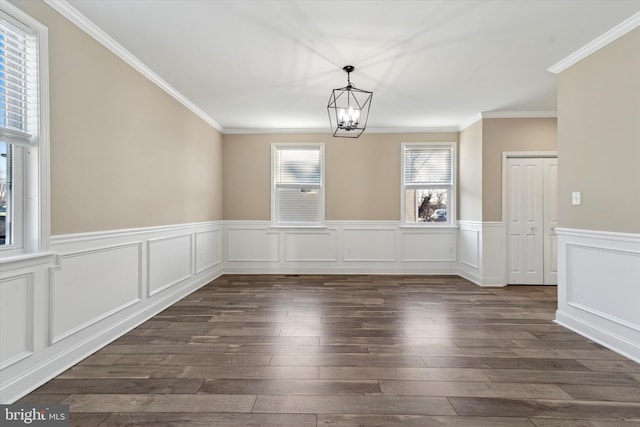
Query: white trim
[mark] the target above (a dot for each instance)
(36, 216)
(31, 326)
(488, 270)
(529, 154)
(470, 121)
(217, 232)
(601, 315)
(180, 279)
(52, 291)
(596, 234)
(610, 36)
(73, 15)
(505, 235)
(271, 256)
(272, 131)
(452, 198)
(128, 232)
(54, 365)
(598, 334)
(595, 312)
(519, 114)
(433, 129)
(506, 115)
(274, 206)
(55, 352)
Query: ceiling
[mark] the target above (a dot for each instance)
(255, 66)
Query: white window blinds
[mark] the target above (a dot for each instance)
(18, 81)
(297, 173)
(428, 166)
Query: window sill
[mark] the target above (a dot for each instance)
(428, 227)
(297, 227)
(14, 262)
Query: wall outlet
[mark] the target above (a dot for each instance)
(576, 198)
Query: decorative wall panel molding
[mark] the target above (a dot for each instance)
(17, 321)
(311, 246)
(170, 261)
(93, 288)
(598, 287)
(481, 252)
(252, 244)
(370, 245)
(428, 246)
(470, 247)
(208, 249)
(90, 276)
(350, 247)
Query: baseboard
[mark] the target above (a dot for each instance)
(601, 336)
(60, 362)
(485, 282)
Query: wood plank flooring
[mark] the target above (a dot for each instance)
(343, 351)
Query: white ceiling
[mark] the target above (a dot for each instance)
(270, 65)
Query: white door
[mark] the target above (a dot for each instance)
(525, 221)
(550, 221)
(531, 201)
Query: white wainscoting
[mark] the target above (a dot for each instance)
(16, 318)
(86, 288)
(599, 287)
(91, 289)
(481, 252)
(170, 261)
(350, 247)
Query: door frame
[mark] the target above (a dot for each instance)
(505, 235)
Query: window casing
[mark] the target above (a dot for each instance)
(428, 184)
(24, 161)
(297, 185)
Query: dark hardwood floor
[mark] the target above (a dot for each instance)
(343, 351)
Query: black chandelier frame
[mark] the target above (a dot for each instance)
(344, 102)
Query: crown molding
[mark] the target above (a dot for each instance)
(435, 129)
(507, 115)
(616, 32)
(270, 131)
(519, 114)
(475, 118)
(82, 22)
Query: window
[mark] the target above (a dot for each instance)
(428, 187)
(23, 146)
(297, 192)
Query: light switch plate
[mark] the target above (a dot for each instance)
(576, 198)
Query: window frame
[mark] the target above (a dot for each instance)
(274, 194)
(31, 221)
(452, 189)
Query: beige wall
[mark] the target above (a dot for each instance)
(500, 135)
(362, 176)
(599, 138)
(124, 154)
(470, 173)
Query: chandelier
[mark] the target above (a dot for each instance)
(349, 109)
